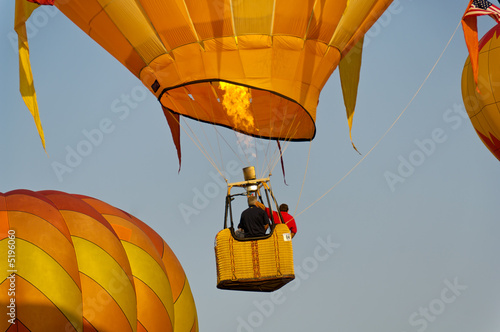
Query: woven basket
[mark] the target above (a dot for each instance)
(254, 265)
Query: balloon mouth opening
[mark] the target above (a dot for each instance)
(246, 109)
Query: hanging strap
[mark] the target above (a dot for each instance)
(349, 69)
(26, 85)
(282, 163)
(173, 121)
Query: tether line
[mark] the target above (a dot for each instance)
(387, 131)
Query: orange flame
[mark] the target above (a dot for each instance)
(236, 101)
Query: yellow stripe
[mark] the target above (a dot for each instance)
(4, 264)
(129, 19)
(100, 266)
(44, 273)
(147, 269)
(185, 310)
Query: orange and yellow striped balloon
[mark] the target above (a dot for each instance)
(74, 263)
(483, 103)
(281, 52)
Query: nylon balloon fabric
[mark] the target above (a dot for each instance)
(83, 265)
(482, 102)
(281, 52)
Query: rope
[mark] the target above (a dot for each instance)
(218, 145)
(200, 145)
(228, 145)
(265, 167)
(304, 179)
(387, 131)
(204, 133)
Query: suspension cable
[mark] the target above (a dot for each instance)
(304, 179)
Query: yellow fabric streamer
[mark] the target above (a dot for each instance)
(349, 69)
(26, 86)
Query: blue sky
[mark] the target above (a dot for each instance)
(419, 254)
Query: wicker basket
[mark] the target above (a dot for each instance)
(254, 265)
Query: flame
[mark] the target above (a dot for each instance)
(236, 101)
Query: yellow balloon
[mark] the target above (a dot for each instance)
(483, 103)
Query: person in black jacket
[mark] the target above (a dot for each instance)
(254, 221)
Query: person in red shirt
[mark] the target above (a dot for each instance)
(288, 219)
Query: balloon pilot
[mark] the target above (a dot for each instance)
(254, 222)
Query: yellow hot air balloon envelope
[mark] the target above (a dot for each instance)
(79, 264)
(281, 52)
(483, 102)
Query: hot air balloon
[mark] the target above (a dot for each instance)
(482, 102)
(262, 264)
(74, 263)
(254, 66)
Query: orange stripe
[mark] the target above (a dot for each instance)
(3, 205)
(124, 233)
(100, 309)
(42, 234)
(195, 325)
(87, 327)
(153, 236)
(145, 268)
(175, 272)
(19, 327)
(150, 310)
(34, 203)
(4, 289)
(119, 217)
(141, 328)
(4, 223)
(83, 226)
(37, 312)
(104, 208)
(64, 201)
(137, 237)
